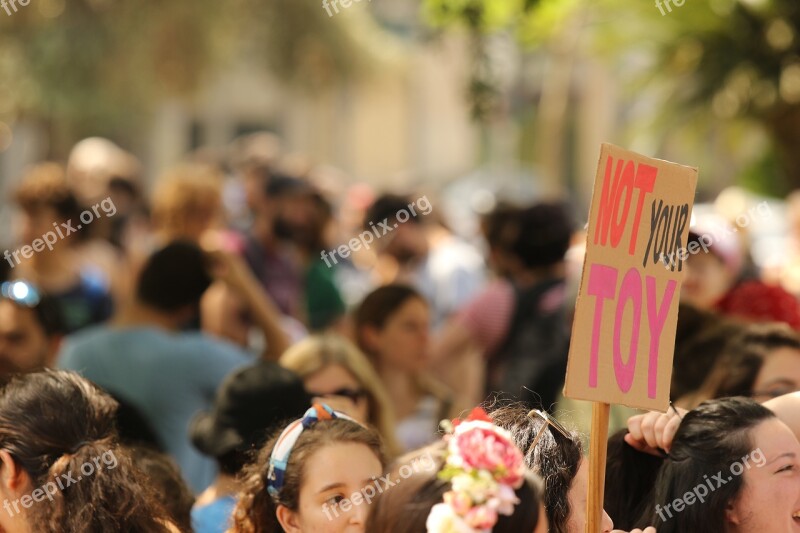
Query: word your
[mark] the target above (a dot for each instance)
(327, 7)
(660, 6)
(50, 238)
(700, 491)
(382, 229)
(4, 4)
(723, 232)
(49, 489)
(368, 492)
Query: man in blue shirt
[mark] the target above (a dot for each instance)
(154, 365)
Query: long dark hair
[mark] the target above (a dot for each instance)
(256, 510)
(556, 457)
(710, 439)
(55, 425)
(405, 508)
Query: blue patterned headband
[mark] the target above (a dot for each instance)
(283, 447)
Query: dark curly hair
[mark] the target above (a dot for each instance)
(54, 424)
(555, 458)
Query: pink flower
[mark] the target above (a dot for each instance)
(481, 517)
(481, 445)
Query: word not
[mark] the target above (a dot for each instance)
(688, 499)
(612, 215)
(660, 6)
(707, 239)
(327, 7)
(368, 492)
(382, 229)
(49, 489)
(50, 238)
(4, 5)
(603, 285)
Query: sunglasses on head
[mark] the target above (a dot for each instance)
(20, 292)
(549, 422)
(351, 394)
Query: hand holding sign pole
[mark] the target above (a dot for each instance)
(623, 334)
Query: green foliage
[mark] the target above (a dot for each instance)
(85, 67)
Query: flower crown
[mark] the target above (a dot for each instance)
(484, 468)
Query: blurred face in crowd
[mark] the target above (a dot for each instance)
(36, 222)
(577, 503)
(332, 474)
(780, 374)
(405, 242)
(24, 346)
(770, 497)
(337, 387)
(402, 343)
(707, 280)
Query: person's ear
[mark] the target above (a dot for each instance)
(289, 520)
(731, 514)
(370, 337)
(12, 476)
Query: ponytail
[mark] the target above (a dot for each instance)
(96, 488)
(83, 481)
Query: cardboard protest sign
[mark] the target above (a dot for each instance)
(623, 336)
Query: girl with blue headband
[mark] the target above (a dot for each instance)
(309, 478)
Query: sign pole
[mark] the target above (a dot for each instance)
(598, 447)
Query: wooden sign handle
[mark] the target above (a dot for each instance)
(598, 447)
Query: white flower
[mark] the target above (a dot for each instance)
(443, 519)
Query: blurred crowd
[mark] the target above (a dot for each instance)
(181, 327)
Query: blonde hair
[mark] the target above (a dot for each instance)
(312, 354)
(186, 192)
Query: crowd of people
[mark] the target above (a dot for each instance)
(257, 345)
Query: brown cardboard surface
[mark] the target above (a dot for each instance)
(623, 336)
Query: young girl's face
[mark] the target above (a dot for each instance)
(331, 498)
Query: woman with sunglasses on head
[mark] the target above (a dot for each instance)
(302, 479)
(336, 372)
(556, 455)
(476, 481)
(392, 327)
(61, 467)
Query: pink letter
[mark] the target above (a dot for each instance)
(602, 284)
(656, 322)
(631, 290)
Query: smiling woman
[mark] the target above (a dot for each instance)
(710, 440)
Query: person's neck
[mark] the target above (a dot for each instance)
(402, 387)
(224, 485)
(139, 314)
